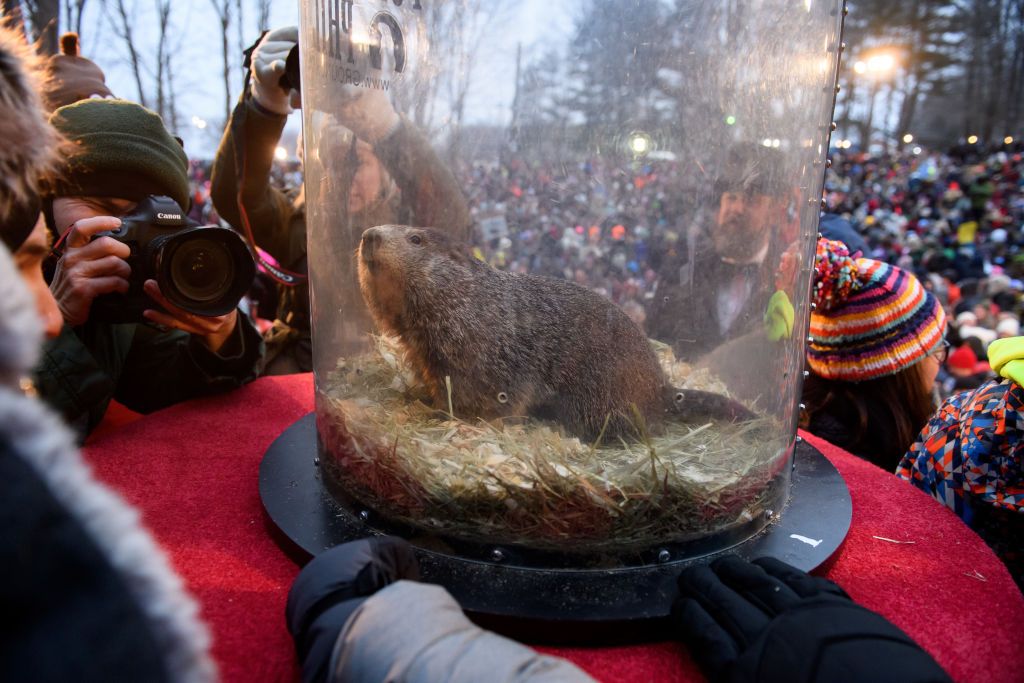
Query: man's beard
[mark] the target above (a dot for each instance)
(736, 241)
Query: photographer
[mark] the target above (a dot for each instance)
(395, 175)
(120, 153)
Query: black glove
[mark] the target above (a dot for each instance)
(768, 621)
(333, 585)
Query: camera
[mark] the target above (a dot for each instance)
(202, 269)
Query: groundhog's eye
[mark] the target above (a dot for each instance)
(680, 397)
(415, 239)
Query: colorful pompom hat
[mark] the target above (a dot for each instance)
(871, 319)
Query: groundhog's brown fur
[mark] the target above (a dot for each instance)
(516, 345)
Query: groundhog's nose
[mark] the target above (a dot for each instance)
(372, 239)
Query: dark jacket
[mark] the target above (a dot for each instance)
(86, 593)
(146, 369)
(427, 195)
(685, 312)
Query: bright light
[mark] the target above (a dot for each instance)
(776, 142)
(1008, 140)
(640, 143)
(767, 142)
(807, 4)
(908, 138)
(280, 153)
(881, 63)
(972, 140)
(730, 120)
(198, 122)
(917, 150)
(845, 144)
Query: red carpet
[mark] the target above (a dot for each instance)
(192, 470)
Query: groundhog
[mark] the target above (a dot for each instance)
(517, 345)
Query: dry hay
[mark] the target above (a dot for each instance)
(526, 482)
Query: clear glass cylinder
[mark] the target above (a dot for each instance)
(560, 261)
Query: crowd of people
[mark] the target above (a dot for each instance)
(933, 258)
(955, 221)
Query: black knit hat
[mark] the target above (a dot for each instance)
(753, 169)
(119, 149)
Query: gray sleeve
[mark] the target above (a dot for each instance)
(416, 633)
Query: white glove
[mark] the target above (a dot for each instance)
(268, 60)
(366, 112)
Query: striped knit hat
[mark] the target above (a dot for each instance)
(871, 319)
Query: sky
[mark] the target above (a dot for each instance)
(198, 72)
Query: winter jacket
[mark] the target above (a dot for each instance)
(686, 311)
(427, 194)
(86, 593)
(970, 457)
(144, 368)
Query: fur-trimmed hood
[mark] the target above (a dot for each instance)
(33, 433)
(22, 120)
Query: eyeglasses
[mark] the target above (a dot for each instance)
(942, 353)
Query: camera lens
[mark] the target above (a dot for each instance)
(202, 270)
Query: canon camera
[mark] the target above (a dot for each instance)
(202, 269)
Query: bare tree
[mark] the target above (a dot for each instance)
(37, 19)
(447, 78)
(163, 13)
(122, 21)
(1015, 76)
(152, 72)
(240, 26)
(223, 10)
(73, 10)
(262, 15)
(172, 119)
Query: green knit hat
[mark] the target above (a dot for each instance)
(119, 149)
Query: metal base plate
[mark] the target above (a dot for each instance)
(619, 605)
